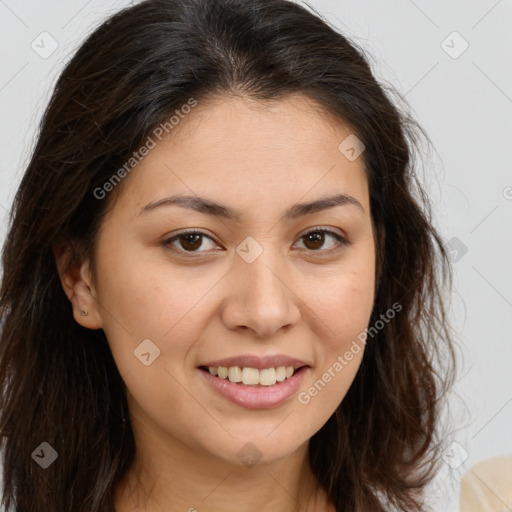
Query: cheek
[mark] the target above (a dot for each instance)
(344, 307)
(344, 303)
(141, 300)
(348, 311)
(344, 314)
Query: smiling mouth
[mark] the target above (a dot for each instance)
(252, 376)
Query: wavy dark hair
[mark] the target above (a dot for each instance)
(59, 382)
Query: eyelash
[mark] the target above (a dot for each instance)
(167, 243)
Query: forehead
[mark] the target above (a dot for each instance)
(251, 152)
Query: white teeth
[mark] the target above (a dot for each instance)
(280, 373)
(268, 377)
(252, 376)
(235, 374)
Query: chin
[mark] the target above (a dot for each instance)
(259, 447)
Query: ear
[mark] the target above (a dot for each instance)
(77, 284)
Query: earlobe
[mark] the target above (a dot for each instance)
(85, 306)
(75, 280)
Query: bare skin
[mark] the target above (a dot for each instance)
(304, 298)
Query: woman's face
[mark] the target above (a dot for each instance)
(249, 289)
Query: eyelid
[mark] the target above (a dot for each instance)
(188, 231)
(325, 229)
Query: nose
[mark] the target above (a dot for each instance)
(260, 297)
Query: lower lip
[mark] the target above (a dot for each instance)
(256, 397)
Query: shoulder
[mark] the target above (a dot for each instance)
(487, 486)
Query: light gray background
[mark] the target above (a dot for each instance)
(464, 103)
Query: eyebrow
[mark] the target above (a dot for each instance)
(209, 207)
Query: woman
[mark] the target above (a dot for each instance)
(222, 285)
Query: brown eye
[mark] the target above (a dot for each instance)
(314, 240)
(189, 241)
(192, 241)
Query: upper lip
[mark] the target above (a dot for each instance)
(252, 361)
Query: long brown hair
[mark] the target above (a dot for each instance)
(59, 381)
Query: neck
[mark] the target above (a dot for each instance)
(183, 479)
